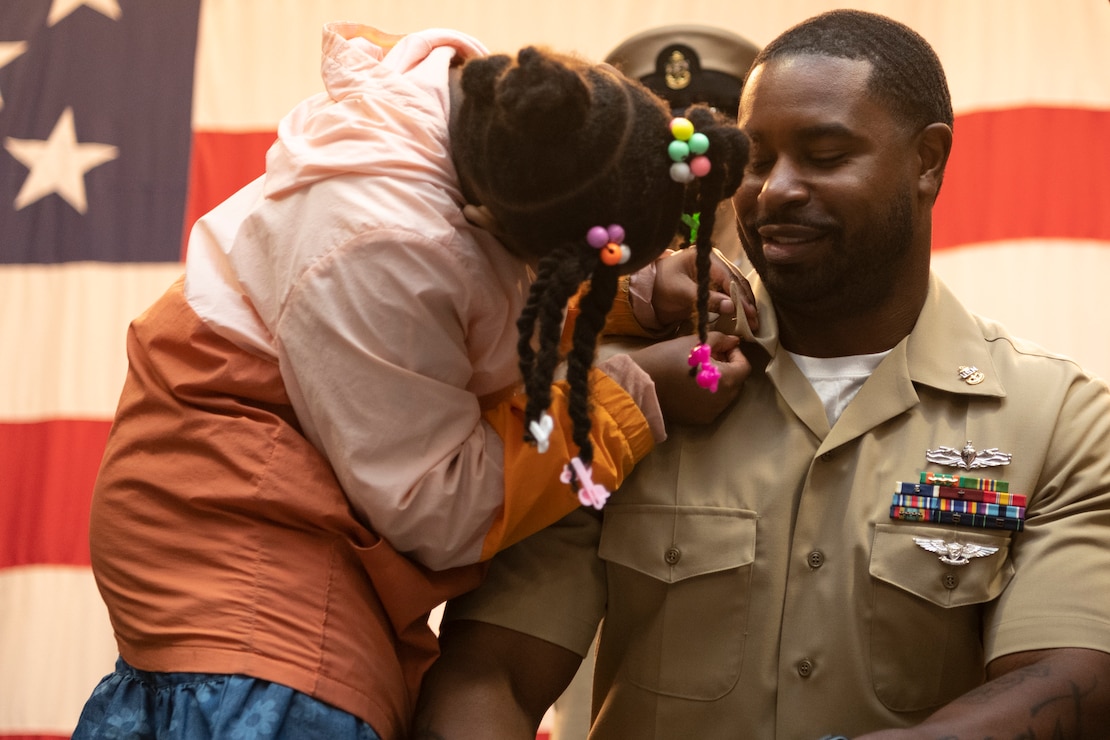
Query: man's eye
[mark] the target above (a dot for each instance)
(826, 159)
(757, 166)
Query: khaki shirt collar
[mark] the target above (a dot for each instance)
(946, 338)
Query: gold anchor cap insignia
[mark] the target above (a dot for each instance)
(677, 73)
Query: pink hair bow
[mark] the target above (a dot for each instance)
(589, 493)
(707, 373)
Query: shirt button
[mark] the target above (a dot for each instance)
(950, 580)
(805, 668)
(672, 555)
(816, 559)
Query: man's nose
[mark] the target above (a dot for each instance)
(782, 185)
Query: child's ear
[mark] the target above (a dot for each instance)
(481, 217)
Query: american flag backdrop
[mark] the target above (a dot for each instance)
(121, 121)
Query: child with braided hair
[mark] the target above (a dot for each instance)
(325, 432)
(557, 276)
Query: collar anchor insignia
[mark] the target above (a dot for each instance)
(968, 458)
(971, 374)
(954, 553)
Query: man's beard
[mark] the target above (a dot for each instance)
(853, 278)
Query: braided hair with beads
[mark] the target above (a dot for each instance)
(556, 149)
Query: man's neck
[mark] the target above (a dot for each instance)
(816, 332)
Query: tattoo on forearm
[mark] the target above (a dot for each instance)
(989, 691)
(1075, 697)
(1065, 710)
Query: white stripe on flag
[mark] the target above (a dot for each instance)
(258, 58)
(64, 329)
(1046, 291)
(53, 625)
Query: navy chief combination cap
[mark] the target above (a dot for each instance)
(687, 64)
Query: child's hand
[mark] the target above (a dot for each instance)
(675, 290)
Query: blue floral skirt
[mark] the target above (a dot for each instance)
(135, 705)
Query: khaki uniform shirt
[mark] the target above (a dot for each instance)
(754, 585)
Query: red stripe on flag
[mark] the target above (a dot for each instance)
(1026, 173)
(220, 164)
(1014, 174)
(47, 471)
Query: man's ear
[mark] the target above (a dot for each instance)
(934, 144)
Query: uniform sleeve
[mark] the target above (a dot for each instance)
(376, 352)
(1057, 597)
(550, 585)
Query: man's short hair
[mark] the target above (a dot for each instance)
(907, 75)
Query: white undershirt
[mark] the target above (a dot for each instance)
(837, 380)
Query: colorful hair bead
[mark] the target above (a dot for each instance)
(610, 243)
(701, 363)
(687, 152)
(682, 128)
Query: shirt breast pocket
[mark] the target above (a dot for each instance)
(926, 631)
(679, 583)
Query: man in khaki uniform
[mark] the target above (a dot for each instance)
(904, 522)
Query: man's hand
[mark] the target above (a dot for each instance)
(681, 399)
